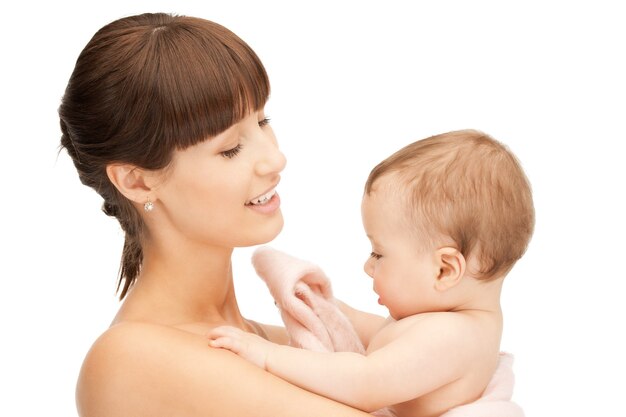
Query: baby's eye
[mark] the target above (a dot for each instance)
(264, 122)
(231, 153)
(375, 255)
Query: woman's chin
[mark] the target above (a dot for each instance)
(276, 229)
(268, 232)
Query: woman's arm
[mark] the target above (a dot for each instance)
(137, 369)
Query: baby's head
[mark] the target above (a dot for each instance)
(460, 192)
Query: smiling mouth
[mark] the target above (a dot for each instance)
(262, 199)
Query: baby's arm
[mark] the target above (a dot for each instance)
(249, 346)
(365, 324)
(420, 360)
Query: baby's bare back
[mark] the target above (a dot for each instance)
(467, 345)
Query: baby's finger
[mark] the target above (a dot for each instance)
(228, 343)
(223, 331)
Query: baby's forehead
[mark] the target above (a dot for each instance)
(390, 184)
(389, 198)
(392, 196)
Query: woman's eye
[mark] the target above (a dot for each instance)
(264, 122)
(375, 255)
(231, 153)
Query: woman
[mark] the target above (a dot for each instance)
(163, 116)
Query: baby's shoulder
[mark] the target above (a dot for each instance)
(422, 321)
(445, 325)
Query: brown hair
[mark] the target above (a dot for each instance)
(469, 187)
(145, 86)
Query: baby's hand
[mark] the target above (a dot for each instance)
(249, 346)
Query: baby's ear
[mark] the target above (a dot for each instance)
(451, 268)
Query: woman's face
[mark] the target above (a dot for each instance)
(221, 191)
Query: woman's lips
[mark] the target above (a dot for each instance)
(263, 198)
(266, 206)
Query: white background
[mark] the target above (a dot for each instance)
(351, 83)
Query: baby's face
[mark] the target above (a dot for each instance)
(403, 271)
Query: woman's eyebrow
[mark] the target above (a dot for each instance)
(224, 137)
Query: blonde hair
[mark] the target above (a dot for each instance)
(469, 187)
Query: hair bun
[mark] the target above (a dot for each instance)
(110, 209)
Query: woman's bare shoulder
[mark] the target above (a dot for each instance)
(124, 368)
(143, 369)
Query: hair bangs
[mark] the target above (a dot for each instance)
(206, 81)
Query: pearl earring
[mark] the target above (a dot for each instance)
(149, 206)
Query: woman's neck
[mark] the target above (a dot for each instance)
(183, 284)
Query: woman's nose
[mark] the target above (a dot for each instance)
(272, 161)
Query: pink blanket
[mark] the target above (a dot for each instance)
(303, 294)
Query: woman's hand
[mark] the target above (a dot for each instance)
(249, 346)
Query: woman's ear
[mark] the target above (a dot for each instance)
(132, 182)
(451, 268)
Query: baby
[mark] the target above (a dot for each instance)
(447, 217)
